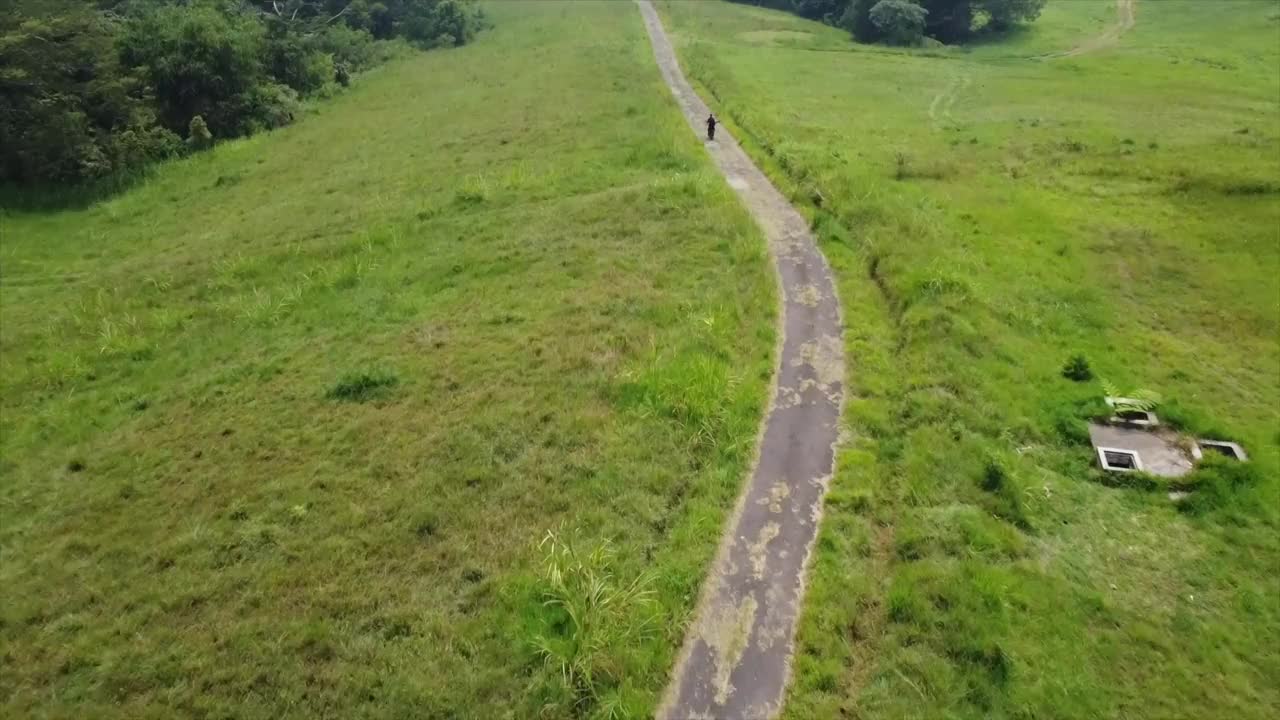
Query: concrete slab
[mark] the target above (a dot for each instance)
(1162, 452)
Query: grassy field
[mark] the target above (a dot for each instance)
(989, 216)
(283, 425)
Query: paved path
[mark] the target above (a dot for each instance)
(737, 653)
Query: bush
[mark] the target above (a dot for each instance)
(269, 106)
(901, 22)
(87, 92)
(200, 62)
(1004, 14)
(66, 105)
(198, 135)
(443, 24)
(857, 20)
(350, 48)
(296, 60)
(1077, 369)
(1004, 495)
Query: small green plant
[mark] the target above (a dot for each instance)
(902, 166)
(362, 386)
(1004, 495)
(1077, 369)
(474, 191)
(596, 616)
(1139, 400)
(198, 135)
(993, 477)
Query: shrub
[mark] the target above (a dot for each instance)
(88, 92)
(1004, 14)
(198, 135)
(298, 63)
(857, 20)
(439, 24)
(199, 62)
(269, 106)
(64, 96)
(1004, 495)
(901, 22)
(1077, 369)
(349, 47)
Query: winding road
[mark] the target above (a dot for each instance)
(736, 658)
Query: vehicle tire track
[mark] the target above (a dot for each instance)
(736, 659)
(1126, 18)
(941, 105)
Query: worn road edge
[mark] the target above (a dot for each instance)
(736, 658)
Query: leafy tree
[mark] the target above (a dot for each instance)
(948, 21)
(857, 20)
(1003, 14)
(200, 62)
(351, 48)
(68, 111)
(90, 88)
(901, 21)
(826, 10)
(295, 58)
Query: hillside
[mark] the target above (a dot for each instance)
(283, 426)
(1078, 188)
(438, 401)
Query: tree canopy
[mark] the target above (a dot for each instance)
(93, 88)
(906, 22)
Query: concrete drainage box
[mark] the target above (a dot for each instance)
(1119, 460)
(1124, 448)
(1221, 447)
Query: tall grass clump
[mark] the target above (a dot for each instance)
(593, 616)
(362, 386)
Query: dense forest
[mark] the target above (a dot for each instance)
(99, 88)
(908, 22)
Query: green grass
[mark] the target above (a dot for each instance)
(1123, 206)
(282, 425)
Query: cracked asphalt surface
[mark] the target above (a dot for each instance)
(736, 659)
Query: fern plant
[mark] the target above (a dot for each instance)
(1139, 400)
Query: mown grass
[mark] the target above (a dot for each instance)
(991, 217)
(282, 425)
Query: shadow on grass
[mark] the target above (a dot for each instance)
(56, 197)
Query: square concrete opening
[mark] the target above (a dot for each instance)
(1118, 460)
(1222, 447)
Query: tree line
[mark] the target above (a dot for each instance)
(98, 88)
(909, 22)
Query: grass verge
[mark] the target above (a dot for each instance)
(990, 217)
(546, 309)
